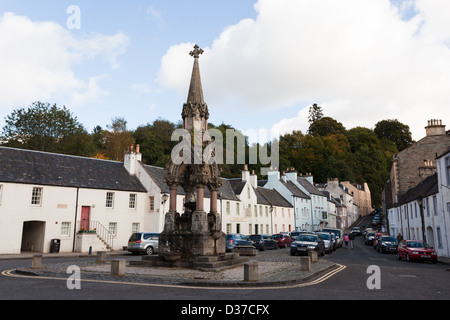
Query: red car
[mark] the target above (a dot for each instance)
(282, 240)
(416, 250)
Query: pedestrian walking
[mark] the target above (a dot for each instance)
(351, 237)
(346, 240)
(399, 237)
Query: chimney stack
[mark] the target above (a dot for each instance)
(435, 128)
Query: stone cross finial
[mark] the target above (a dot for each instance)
(196, 52)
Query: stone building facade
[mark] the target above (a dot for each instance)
(415, 163)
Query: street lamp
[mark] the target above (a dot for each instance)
(165, 197)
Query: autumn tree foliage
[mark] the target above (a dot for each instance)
(327, 149)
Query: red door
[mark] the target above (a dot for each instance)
(84, 224)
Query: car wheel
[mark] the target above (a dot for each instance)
(149, 251)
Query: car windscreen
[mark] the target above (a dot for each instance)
(307, 238)
(325, 236)
(277, 236)
(389, 239)
(255, 237)
(417, 244)
(228, 236)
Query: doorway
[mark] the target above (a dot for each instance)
(85, 215)
(33, 235)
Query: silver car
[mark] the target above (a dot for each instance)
(143, 242)
(328, 241)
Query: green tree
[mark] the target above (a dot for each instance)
(151, 146)
(326, 126)
(395, 131)
(46, 127)
(117, 139)
(315, 113)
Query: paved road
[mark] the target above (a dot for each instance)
(398, 280)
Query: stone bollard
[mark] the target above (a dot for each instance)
(101, 257)
(36, 263)
(251, 271)
(118, 267)
(305, 263)
(314, 256)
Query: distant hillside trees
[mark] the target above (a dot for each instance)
(327, 149)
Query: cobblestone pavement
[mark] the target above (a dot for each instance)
(275, 267)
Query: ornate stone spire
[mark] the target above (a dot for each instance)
(195, 108)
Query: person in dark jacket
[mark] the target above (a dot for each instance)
(351, 237)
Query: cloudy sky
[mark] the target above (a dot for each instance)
(265, 61)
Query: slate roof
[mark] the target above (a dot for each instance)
(310, 187)
(158, 174)
(296, 191)
(237, 184)
(424, 189)
(274, 197)
(44, 168)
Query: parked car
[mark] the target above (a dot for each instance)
(308, 242)
(233, 240)
(338, 233)
(387, 244)
(416, 250)
(368, 238)
(143, 242)
(376, 220)
(334, 241)
(263, 242)
(282, 240)
(367, 230)
(328, 241)
(356, 231)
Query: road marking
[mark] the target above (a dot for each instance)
(9, 273)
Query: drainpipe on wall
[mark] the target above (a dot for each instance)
(75, 221)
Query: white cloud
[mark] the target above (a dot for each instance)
(361, 60)
(157, 15)
(38, 60)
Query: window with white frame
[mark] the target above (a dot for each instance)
(135, 227)
(435, 209)
(36, 196)
(439, 237)
(110, 199)
(237, 208)
(1, 193)
(113, 228)
(447, 169)
(65, 229)
(151, 203)
(132, 201)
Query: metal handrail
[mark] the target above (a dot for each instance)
(101, 231)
